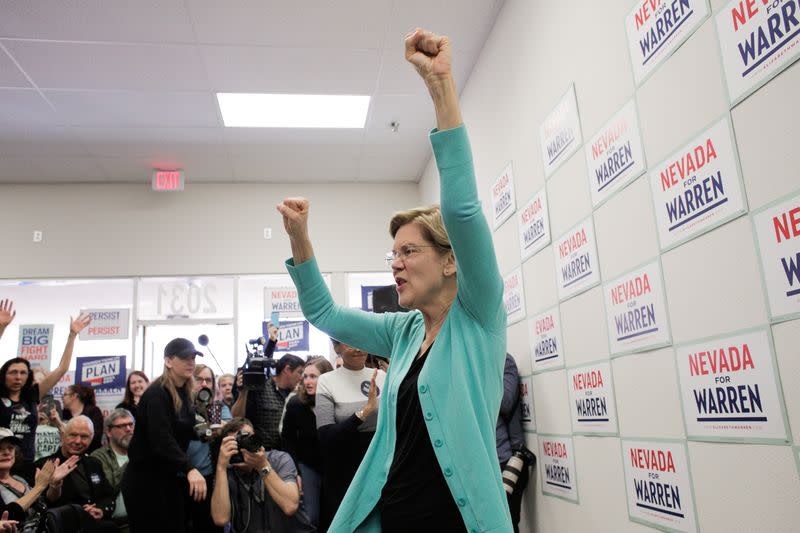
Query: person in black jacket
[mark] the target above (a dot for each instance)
(154, 484)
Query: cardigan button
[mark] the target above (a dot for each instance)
(428, 416)
(461, 502)
(448, 471)
(423, 389)
(438, 443)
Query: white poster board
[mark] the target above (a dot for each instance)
(503, 198)
(281, 300)
(547, 346)
(528, 414)
(591, 397)
(777, 230)
(560, 133)
(658, 484)
(577, 266)
(534, 225)
(729, 389)
(514, 297)
(106, 324)
(556, 462)
(698, 187)
(36, 344)
(636, 310)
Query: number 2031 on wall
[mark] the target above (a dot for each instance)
(186, 299)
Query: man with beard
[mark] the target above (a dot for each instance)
(114, 457)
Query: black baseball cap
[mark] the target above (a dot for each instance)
(182, 348)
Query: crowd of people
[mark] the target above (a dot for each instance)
(409, 431)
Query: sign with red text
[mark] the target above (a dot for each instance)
(560, 133)
(758, 39)
(35, 344)
(281, 300)
(656, 28)
(534, 225)
(636, 311)
(514, 297)
(293, 336)
(63, 384)
(698, 187)
(527, 413)
(591, 398)
(730, 390)
(615, 157)
(547, 346)
(106, 324)
(503, 200)
(777, 229)
(577, 267)
(557, 466)
(658, 484)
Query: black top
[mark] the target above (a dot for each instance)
(130, 407)
(161, 436)
(300, 434)
(21, 418)
(96, 415)
(264, 408)
(416, 496)
(86, 484)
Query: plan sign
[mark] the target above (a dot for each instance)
(557, 465)
(534, 225)
(514, 297)
(636, 312)
(503, 200)
(560, 133)
(547, 348)
(656, 28)
(591, 399)
(698, 187)
(615, 156)
(658, 484)
(730, 390)
(758, 39)
(777, 229)
(577, 267)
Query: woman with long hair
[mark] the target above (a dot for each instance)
(300, 435)
(80, 399)
(154, 484)
(134, 388)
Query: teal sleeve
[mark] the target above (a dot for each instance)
(480, 286)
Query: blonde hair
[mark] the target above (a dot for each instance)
(430, 222)
(165, 380)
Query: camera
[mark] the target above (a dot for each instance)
(245, 441)
(202, 401)
(259, 361)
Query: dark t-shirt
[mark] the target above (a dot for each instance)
(416, 496)
(21, 418)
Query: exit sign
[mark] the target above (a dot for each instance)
(168, 180)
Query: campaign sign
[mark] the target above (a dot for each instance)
(293, 336)
(758, 39)
(656, 28)
(560, 133)
(615, 156)
(106, 324)
(777, 229)
(63, 384)
(698, 187)
(577, 267)
(591, 399)
(729, 389)
(547, 346)
(534, 225)
(514, 297)
(366, 296)
(636, 310)
(658, 484)
(281, 300)
(557, 465)
(503, 199)
(526, 404)
(35, 344)
(102, 373)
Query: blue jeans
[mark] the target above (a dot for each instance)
(312, 483)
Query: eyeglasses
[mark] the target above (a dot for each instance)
(122, 426)
(405, 252)
(205, 380)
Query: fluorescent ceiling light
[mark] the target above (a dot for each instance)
(293, 110)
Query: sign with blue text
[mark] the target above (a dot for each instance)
(577, 266)
(636, 310)
(503, 199)
(514, 297)
(777, 229)
(527, 413)
(698, 187)
(35, 344)
(547, 347)
(293, 335)
(103, 373)
(658, 484)
(730, 390)
(591, 399)
(615, 157)
(758, 39)
(106, 324)
(534, 225)
(656, 28)
(557, 466)
(560, 133)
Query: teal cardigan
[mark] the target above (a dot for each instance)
(461, 384)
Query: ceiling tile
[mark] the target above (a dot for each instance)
(140, 142)
(413, 112)
(242, 139)
(24, 107)
(292, 164)
(210, 166)
(10, 75)
(39, 140)
(40, 168)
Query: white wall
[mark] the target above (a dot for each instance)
(535, 50)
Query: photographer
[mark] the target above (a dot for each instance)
(255, 491)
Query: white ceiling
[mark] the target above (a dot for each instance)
(106, 90)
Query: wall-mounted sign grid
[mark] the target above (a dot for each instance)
(514, 297)
(560, 133)
(547, 344)
(636, 310)
(777, 230)
(577, 266)
(730, 389)
(592, 401)
(698, 187)
(556, 463)
(533, 221)
(503, 197)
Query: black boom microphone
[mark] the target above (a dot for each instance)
(203, 341)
